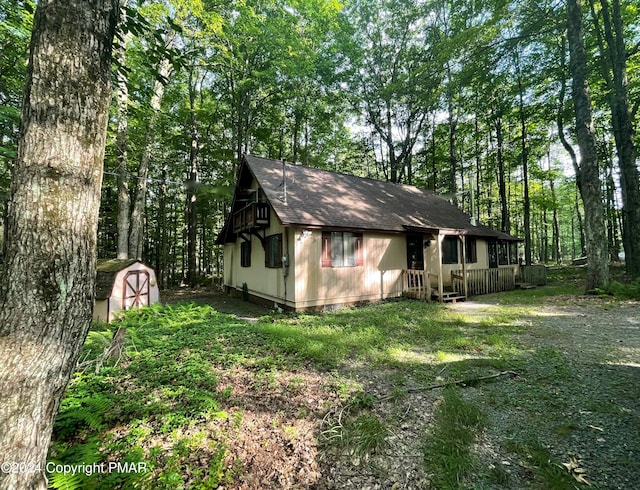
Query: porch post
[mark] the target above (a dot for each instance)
(440, 285)
(464, 263)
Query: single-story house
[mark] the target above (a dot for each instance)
(123, 284)
(304, 237)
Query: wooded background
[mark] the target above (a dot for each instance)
(470, 99)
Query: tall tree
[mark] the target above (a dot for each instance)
(613, 50)
(136, 230)
(395, 76)
(588, 173)
(47, 287)
(122, 137)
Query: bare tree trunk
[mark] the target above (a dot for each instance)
(136, 233)
(557, 252)
(525, 168)
(192, 209)
(163, 252)
(453, 163)
(434, 160)
(505, 223)
(47, 288)
(623, 135)
(590, 185)
(122, 143)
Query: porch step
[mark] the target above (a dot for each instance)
(449, 296)
(525, 285)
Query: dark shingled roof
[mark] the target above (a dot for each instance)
(107, 269)
(320, 198)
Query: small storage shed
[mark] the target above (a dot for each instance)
(123, 284)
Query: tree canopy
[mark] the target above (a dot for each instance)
(473, 100)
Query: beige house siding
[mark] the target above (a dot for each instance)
(264, 282)
(379, 277)
(307, 284)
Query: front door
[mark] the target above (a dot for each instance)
(136, 289)
(415, 252)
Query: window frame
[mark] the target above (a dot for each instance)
(447, 250)
(245, 253)
(269, 242)
(513, 253)
(331, 239)
(471, 250)
(503, 253)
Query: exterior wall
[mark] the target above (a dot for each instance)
(306, 284)
(101, 310)
(265, 282)
(380, 277)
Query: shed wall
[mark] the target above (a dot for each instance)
(106, 310)
(101, 310)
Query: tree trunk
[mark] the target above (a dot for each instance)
(557, 252)
(453, 164)
(505, 224)
(192, 210)
(163, 252)
(525, 168)
(434, 159)
(122, 143)
(136, 234)
(589, 176)
(47, 288)
(623, 135)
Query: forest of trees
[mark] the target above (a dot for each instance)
(470, 99)
(520, 112)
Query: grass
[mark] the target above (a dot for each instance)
(153, 405)
(448, 448)
(398, 334)
(193, 384)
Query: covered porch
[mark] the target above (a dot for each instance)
(450, 265)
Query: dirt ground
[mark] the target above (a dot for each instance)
(600, 343)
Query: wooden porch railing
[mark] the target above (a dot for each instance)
(417, 283)
(484, 281)
(533, 274)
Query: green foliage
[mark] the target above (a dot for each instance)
(548, 473)
(149, 407)
(447, 448)
(363, 435)
(165, 406)
(165, 386)
(387, 334)
(623, 291)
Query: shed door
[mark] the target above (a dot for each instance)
(136, 289)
